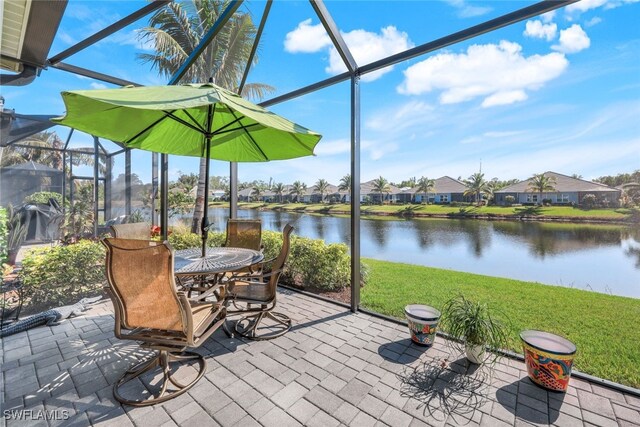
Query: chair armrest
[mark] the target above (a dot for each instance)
(208, 293)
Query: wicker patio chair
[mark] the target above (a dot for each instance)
(134, 230)
(260, 290)
(148, 309)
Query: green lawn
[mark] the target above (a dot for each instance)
(454, 211)
(603, 327)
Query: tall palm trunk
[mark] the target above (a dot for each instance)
(199, 210)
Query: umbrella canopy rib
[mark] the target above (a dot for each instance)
(195, 121)
(197, 128)
(128, 141)
(253, 141)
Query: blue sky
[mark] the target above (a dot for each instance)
(560, 92)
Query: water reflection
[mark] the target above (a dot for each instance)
(581, 255)
(546, 239)
(378, 229)
(318, 225)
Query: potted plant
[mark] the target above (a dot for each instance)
(474, 326)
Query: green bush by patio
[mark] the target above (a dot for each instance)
(312, 263)
(603, 327)
(59, 275)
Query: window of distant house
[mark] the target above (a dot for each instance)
(563, 198)
(444, 198)
(532, 198)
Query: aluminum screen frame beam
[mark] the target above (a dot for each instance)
(106, 32)
(334, 34)
(355, 193)
(204, 42)
(471, 32)
(93, 74)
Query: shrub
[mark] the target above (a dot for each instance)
(43, 197)
(180, 239)
(509, 200)
(312, 263)
(589, 200)
(3, 235)
(59, 275)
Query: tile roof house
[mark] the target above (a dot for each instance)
(445, 190)
(568, 190)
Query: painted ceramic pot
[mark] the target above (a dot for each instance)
(423, 323)
(549, 358)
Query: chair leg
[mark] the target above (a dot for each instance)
(250, 326)
(163, 360)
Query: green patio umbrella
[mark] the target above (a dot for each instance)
(200, 120)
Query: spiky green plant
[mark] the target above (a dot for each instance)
(472, 323)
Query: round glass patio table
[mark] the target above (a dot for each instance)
(189, 262)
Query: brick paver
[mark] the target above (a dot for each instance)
(333, 368)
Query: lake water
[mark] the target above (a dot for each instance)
(602, 258)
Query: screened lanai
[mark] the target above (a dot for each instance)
(49, 14)
(342, 361)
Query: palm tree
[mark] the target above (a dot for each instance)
(345, 183)
(494, 185)
(175, 31)
(321, 187)
(36, 152)
(298, 188)
(257, 191)
(541, 183)
(426, 185)
(381, 186)
(278, 189)
(477, 186)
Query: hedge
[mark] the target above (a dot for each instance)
(59, 275)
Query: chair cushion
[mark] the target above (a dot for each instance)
(203, 314)
(254, 291)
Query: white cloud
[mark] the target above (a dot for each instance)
(132, 38)
(539, 30)
(466, 10)
(548, 17)
(504, 98)
(306, 38)
(365, 46)
(95, 85)
(593, 21)
(572, 40)
(585, 5)
(402, 117)
(66, 38)
(500, 74)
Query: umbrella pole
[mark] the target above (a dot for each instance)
(205, 213)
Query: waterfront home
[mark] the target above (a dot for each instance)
(445, 190)
(566, 191)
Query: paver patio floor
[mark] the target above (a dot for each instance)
(333, 368)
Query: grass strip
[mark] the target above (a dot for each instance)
(603, 327)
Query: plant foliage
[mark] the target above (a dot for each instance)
(473, 323)
(59, 275)
(42, 197)
(3, 235)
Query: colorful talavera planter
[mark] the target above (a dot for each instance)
(549, 358)
(423, 323)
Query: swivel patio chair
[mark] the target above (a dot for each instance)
(260, 289)
(148, 309)
(247, 234)
(134, 230)
(244, 233)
